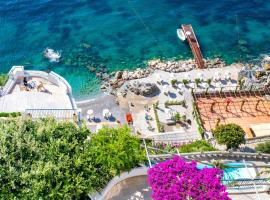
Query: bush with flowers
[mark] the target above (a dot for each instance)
(177, 179)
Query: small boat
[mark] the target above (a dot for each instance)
(53, 56)
(181, 34)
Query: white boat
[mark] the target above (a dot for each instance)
(53, 56)
(181, 34)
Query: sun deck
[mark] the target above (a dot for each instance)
(38, 92)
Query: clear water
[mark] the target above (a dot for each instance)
(122, 34)
(234, 171)
(238, 171)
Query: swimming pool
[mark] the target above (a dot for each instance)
(237, 170)
(234, 171)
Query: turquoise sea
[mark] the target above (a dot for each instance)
(122, 34)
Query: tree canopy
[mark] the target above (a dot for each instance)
(197, 146)
(46, 159)
(231, 135)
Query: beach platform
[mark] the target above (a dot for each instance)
(194, 45)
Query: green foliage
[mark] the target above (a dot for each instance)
(263, 147)
(197, 146)
(160, 127)
(3, 79)
(209, 81)
(241, 83)
(11, 114)
(197, 81)
(231, 135)
(198, 120)
(46, 159)
(173, 82)
(177, 117)
(174, 103)
(185, 81)
(116, 149)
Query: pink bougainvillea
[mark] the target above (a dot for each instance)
(177, 179)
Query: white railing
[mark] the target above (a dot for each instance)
(141, 171)
(7, 87)
(62, 80)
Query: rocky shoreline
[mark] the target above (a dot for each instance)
(115, 80)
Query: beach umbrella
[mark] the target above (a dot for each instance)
(90, 112)
(205, 85)
(192, 85)
(180, 86)
(106, 112)
(218, 85)
(166, 88)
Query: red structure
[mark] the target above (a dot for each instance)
(129, 118)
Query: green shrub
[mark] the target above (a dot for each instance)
(173, 82)
(197, 146)
(231, 135)
(197, 81)
(198, 120)
(174, 103)
(46, 159)
(160, 127)
(209, 81)
(177, 117)
(11, 114)
(263, 147)
(185, 81)
(3, 79)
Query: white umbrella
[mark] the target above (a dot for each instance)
(106, 112)
(204, 85)
(90, 112)
(180, 86)
(192, 85)
(218, 85)
(166, 88)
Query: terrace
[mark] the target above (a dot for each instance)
(38, 93)
(250, 109)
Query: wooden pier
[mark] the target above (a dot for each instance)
(194, 45)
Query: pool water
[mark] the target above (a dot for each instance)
(234, 171)
(238, 171)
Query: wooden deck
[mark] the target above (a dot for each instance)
(194, 45)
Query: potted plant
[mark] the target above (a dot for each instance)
(177, 117)
(197, 81)
(173, 82)
(185, 82)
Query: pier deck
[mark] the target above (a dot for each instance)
(194, 45)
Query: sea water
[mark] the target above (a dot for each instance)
(98, 36)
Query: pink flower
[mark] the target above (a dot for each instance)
(176, 179)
